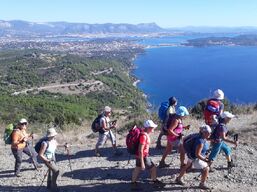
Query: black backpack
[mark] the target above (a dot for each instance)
(96, 127)
(189, 142)
(39, 143)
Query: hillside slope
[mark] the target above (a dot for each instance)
(109, 173)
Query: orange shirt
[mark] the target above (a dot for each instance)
(17, 137)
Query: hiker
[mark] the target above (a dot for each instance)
(21, 143)
(143, 161)
(170, 111)
(196, 146)
(214, 108)
(47, 154)
(105, 132)
(175, 129)
(219, 137)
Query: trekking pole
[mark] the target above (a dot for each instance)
(236, 139)
(68, 153)
(43, 180)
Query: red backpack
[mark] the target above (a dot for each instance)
(132, 140)
(212, 108)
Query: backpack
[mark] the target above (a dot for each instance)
(189, 142)
(8, 133)
(162, 112)
(39, 143)
(96, 124)
(212, 108)
(132, 140)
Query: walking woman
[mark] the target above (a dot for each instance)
(21, 144)
(47, 154)
(175, 129)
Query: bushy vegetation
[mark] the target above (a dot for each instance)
(34, 68)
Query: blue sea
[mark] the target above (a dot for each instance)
(192, 74)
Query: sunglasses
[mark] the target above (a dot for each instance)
(23, 123)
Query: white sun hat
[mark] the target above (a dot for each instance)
(149, 123)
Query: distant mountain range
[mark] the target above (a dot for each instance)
(17, 27)
(20, 28)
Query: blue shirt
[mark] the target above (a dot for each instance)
(196, 141)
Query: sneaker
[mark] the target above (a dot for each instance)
(204, 187)
(162, 164)
(159, 184)
(179, 181)
(17, 174)
(134, 186)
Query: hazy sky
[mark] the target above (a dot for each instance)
(166, 13)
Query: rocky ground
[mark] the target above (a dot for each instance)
(111, 173)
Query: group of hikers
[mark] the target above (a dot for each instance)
(194, 149)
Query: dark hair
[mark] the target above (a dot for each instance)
(172, 100)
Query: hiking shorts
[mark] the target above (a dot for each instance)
(217, 147)
(148, 163)
(175, 143)
(103, 138)
(198, 163)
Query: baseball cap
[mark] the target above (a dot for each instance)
(149, 123)
(107, 109)
(205, 128)
(23, 121)
(182, 111)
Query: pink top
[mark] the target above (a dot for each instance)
(177, 130)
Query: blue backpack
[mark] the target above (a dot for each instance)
(162, 113)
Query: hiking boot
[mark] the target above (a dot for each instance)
(204, 187)
(179, 182)
(162, 164)
(17, 174)
(231, 164)
(158, 184)
(134, 186)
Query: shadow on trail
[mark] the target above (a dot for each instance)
(96, 187)
(107, 152)
(103, 173)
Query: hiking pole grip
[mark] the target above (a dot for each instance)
(236, 137)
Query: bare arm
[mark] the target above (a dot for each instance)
(171, 128)
(42, 152)
(225, 138)
(199, 154)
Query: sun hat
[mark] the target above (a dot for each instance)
(218, 94)
(149, 123)
(182, 111)
(51, 132)
(172, 100)
(227, 114)
(205, 128)
(22, 121)
(107, 109)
